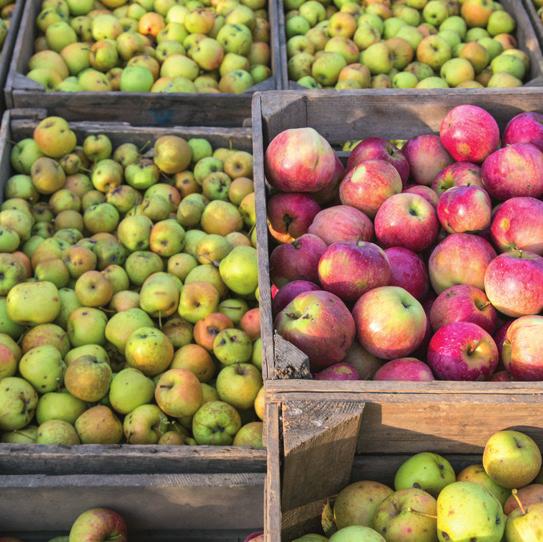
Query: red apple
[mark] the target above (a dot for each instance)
(290, 215)
(99, 524)
(424, 191)
(289, 291)
(406, 220)
(390, 322)
(463, 303)
(514, 283)
(500, 334)
(330, 193)
(427, 157)
(501, 376)
(348, 270)
(523, 348)
(516, 170)
(458, 174)
(461, 258)
(369, 184)
(341, 223)
(300, 160)
(518, 225)
(525, 128)
(376, 148)
(469, 133)
(527, 495)
(408, 271)
(338, 371)
(462, 351)
(320, 325)
(464, 209)
(297, 260)
(408, 369)
(255, 537)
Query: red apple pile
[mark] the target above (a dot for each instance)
(418, 263)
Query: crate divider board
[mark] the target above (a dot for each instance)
(318, 440)
(526, 33)
(160, 109)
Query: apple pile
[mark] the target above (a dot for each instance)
(127, 293)
(94, 525)
(151, 45)
(346, 44)
(429, 256)
(6, 11)
(494, 501)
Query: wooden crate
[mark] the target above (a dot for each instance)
(525, 33)
(535, 19)
(160, 508)
(121, 459)
(153, 109)
(319, 441)
(339, 117)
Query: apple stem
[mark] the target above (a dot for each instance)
(160, 319)
(424, 514)
(519, 502)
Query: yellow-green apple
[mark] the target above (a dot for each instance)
(511, 283)
(290, 215)
(59, 406)
(465, 509)
(232, 346)
(515, 170)
(99, 524)
(512, 459)
(207, 329)
(462, 351)
(434, 51)
(522, 348)
(409, 369)
(10, 354)
(130, 389)
(159, 295)
(300, 160)
(427, 157)
(477, 55)
(221, 217)
(172, 154)
(463, 303)
(99, 425)
(149, 350)
(457, 71)
(57, 432)
(18, 401)
(341, 223)
(420, 70)
(477, 475)
(457, 174)
(141, 264)
(406, 220)
(216, 423)
(378, 58)
(461, 258)
(93, 289)
(23, 154)
(464, 209)
(390, 322)
(338, 371)
(356, 532)
(528, 495)
(289, 291)
(88, 378)
(297, 260)
(376, 148)
(178, 393)
(145, 425)
(401, 51)
(250, 436)
(54, 137)
(197, 359)
(407, 516)
(515, 224)
(198, 300)
(408, 271)
(368, 184)
(43, 367)
(239, 384)
(349, 270)
(525, 128)
(525, 524)
(27, 435)
(320, 325)
(33, 303)
(469, 133)
(427, 471)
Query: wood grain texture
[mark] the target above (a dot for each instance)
(290, 362)
(144, 108)
(272, 501)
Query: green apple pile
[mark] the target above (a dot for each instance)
(347, 44)
(128, 286)
(7, 8)
(498, 500)
(205, 46)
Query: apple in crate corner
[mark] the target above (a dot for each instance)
(97, 525)
(522, 351)
(525, 128)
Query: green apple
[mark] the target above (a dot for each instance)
(477, 475)
(500, 22)
(121, 325)
(59, 406)
(356, 533)
(57, 432)
(432, 82)
(86, 325)
(435, 12)
(27, 435)
(239, 270)
(457, 71)
(250, 436)
(145, 425)
(434, 51)
(378, 58)
(23, 154)
(10, 354)
(239, 385)
(411, 35)
(493, 47)
(43, 367)
(232, 346)
(455, 23)
(216, 423)
(506, 63)
(179, 393)
(88, 378)
(525, 525)
(130, 389)
(149, 350)
(18, 401)
(427, 471)
(327, 67)
(404, 80)
(136, 79)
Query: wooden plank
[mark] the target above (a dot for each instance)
(142, 108)
(535, 20)
(160, 502)
(151, 536)
(272, 502)
(289, 361)
(314, 431)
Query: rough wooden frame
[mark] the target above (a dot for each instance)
(121, 459)
(382, 427)
(526, 34)
(153, 109)
(340, 117)
(192, 508)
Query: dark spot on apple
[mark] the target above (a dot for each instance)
(445, 535)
